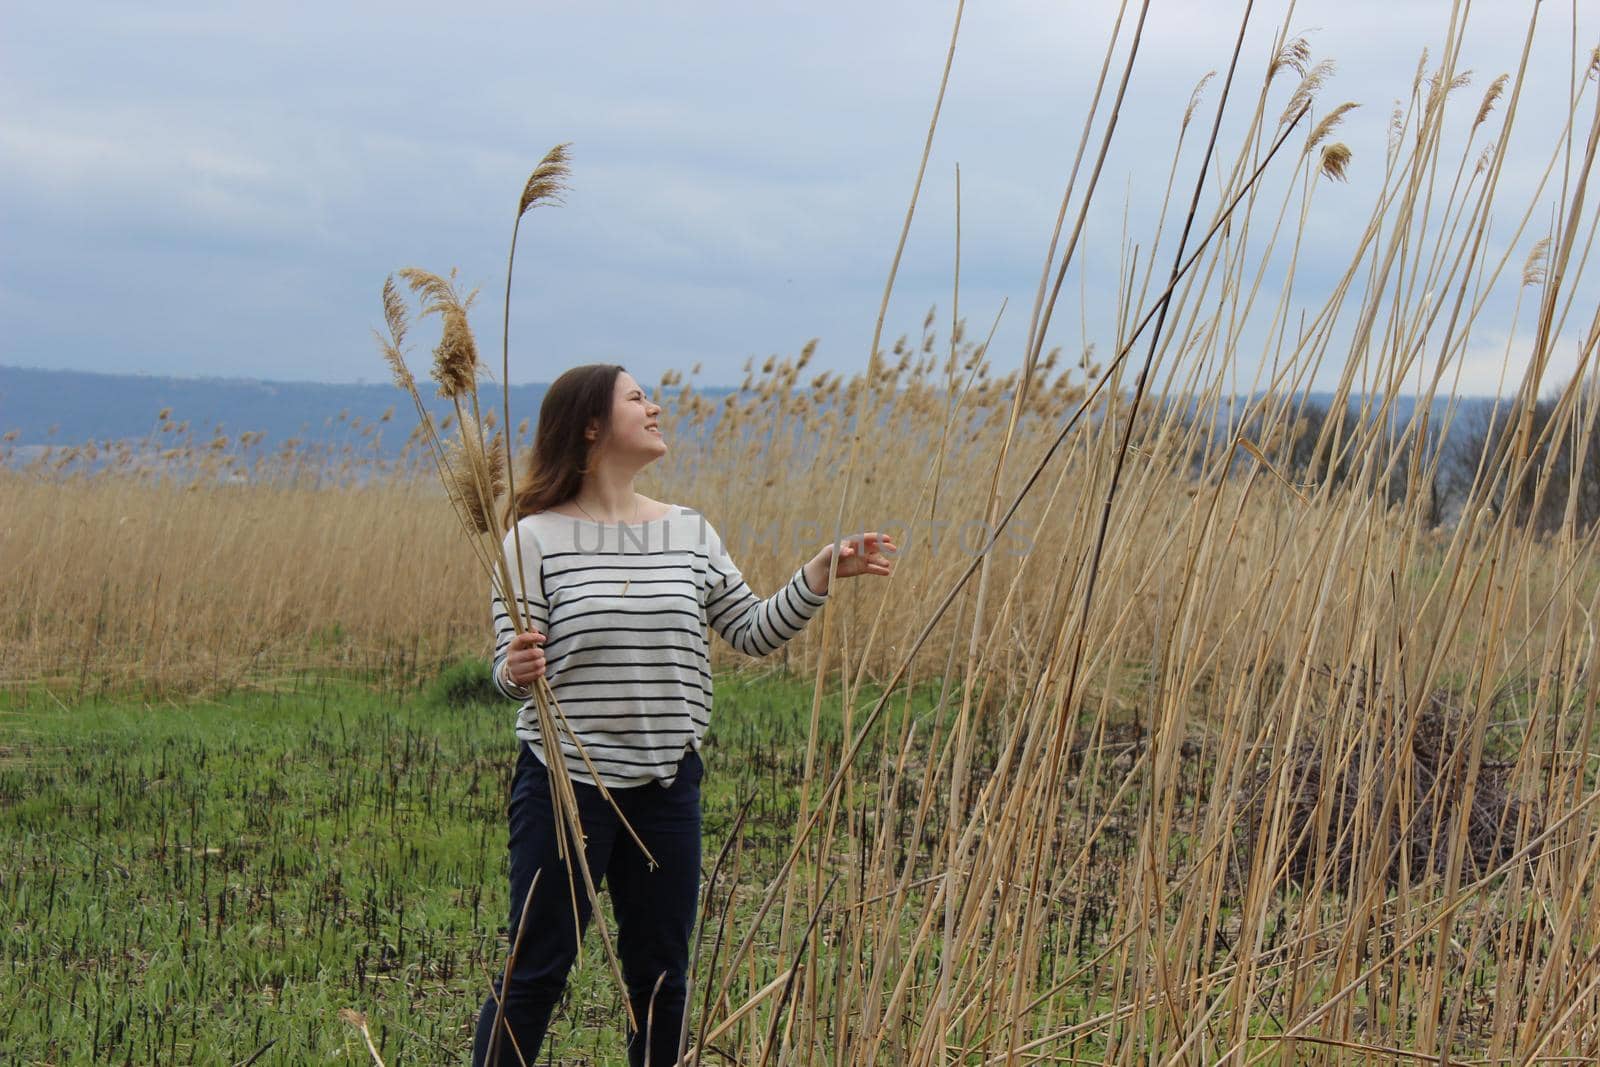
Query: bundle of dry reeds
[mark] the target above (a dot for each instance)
(476, 473)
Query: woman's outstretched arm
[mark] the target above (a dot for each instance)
(760, 627)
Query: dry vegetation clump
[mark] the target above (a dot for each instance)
(1389, 800)
(168, 567)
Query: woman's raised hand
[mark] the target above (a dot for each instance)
(862, 553)
(866, 553)
(525, 658)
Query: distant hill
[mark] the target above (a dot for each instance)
(47, 407)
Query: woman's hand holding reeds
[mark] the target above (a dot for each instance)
(525, 658)
(862, 553)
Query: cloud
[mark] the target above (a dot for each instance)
(1496, 364)
(740, 172)
(135, 171)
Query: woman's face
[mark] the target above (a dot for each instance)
(634, 434)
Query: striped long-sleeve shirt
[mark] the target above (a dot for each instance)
(625, 610)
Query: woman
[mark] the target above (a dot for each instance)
(620, 589)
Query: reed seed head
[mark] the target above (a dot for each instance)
(1485, 158)
(1438, 90)
(1422, 67)
(1194, 98)
(438, 294)
(394, 311)
(396, 361)
(1335, 158)
(1490, 95)
(1306, 90)
(476, 473)
(1294, 55)
(1328, 123)
(497, 464)
(1536, 268)
(548, 180)
(455, 360)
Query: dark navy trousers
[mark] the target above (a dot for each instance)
(654, 909)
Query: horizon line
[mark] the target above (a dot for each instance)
(364, 384)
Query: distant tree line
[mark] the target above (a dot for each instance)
(1538, 463)
(1550, 454)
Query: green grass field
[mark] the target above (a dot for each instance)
(213, 883)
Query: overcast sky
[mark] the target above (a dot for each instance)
(220, 189)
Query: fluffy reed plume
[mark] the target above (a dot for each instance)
(466, 464)
(1194, 97)
(1534, 267)
(455, 360)
(1335, 158)
(1490, 95)
(437, 292)
(1329, 122)
(394, 315)
(476, 474)
(1438, 90)
(1307, 90)
(1485, 158)
(1294, 55)
(548, 180)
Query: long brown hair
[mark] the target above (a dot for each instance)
(555, 466)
